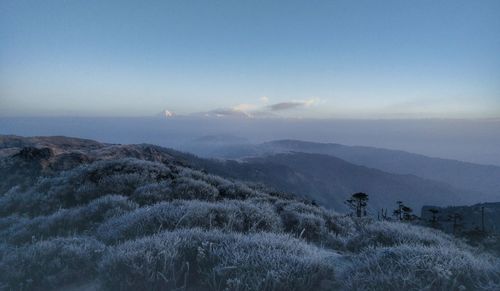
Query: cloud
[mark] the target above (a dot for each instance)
(264, 99)
(284, 106)
(227, 112)
(248, 110)
(240, 110)
(291, 105)
(244, 107)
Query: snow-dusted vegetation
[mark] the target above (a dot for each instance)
(155, 223)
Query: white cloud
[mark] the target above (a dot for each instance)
(244, 107)
(312, 101)
(249, 110)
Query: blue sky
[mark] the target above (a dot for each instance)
(320, 59)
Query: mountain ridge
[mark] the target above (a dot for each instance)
(473, 177)
(329, 180)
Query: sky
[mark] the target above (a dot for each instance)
(254, 59)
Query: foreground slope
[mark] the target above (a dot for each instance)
(138, 217)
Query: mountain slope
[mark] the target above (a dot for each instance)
(330, 181)
(462, 175)
(138, 217)
(483, 180)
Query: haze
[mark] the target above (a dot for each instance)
(475, 141)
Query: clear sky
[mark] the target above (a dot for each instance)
(323, 59)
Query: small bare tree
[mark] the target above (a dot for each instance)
(382, 214)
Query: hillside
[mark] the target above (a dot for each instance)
(140, 217)
(329, 180)
(461, 175)
(482, 180)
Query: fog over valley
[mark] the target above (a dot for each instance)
(476, 141)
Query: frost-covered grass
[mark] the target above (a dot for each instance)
(385, 234)
(313, 223)
(81, 185)
(153, 193)
(215, 260)
(189, 188)
(49, 264)
(398, 256)
(130, 224)
(420, 267)
(232, 215)
(66, 221)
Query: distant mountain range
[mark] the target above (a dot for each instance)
(473, 183)
(463, 175)
(330, 181)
